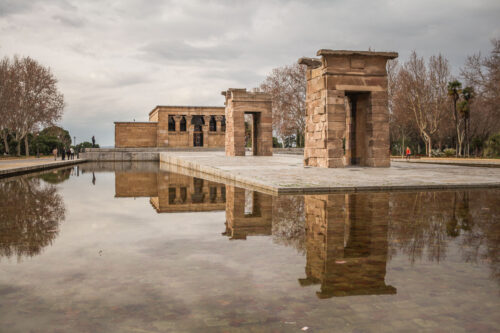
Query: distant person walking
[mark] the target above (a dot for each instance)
(54, 152)
(63, 153)
(72, 151)
(68, 154)
(408, 153)
(93, 141)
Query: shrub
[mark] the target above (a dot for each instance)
(449, 152)
(493, 146)
(437, 153)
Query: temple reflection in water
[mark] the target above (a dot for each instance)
(248, 213)
(347, 244)
(346, 240)
(171, 192)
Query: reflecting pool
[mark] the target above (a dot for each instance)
(122, 247)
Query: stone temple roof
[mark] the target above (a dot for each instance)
(324, 52)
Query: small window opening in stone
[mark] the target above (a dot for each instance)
(212, 124)
(183, 194)
(171, 195)
(223, 193)
(171, 124)
(223, 124)
(213, 194)
(183, 124)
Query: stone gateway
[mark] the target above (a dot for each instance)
(347, 117)
(240, 102)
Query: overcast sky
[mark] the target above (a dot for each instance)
(116, 60)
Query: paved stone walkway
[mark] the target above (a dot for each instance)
(286, 174)
(10, 167)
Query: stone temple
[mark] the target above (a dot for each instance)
(175, 126)
(347, 116)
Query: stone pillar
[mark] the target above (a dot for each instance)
(218, 196)
(206, 129)
(177, 195)
(177, 120)
(218, 122)
(333, 81)
(190, 130)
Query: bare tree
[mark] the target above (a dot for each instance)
(36, 97)
(421, 92)
(400, 124)
(6, 100)
(482, 74)
(287, 86)
(454, 91)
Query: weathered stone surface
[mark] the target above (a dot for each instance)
(346, 99)
(287, 174)
(135, 134)
(238, 103)
(156, 132)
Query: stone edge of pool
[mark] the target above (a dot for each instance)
(9, 172)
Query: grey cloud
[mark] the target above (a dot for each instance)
(115, 60)
(9, 7)
(12, 7)
(175, 51)
(72, 21)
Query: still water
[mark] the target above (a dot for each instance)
(129, 248)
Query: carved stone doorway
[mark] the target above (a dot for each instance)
(239, 103)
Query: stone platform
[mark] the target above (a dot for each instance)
(281, 174)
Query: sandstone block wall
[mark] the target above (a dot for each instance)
(238, 103)
(135, 134)
(184, 139)
(347, 119)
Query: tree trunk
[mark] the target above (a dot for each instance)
(457, 151)
(18, 147)
(403, 147)
(429, 146)
(466, 145)
(428, 142)
(6, 142)
(26, 146)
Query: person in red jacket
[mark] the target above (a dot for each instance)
(408, 153)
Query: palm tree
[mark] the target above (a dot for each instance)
(467, 95)
(454, 90)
